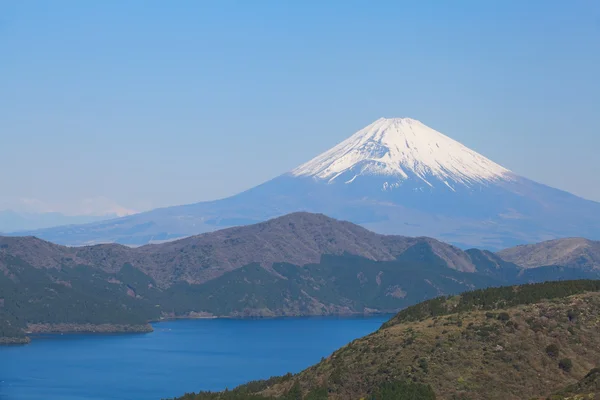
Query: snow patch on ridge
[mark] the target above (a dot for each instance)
(403, 148)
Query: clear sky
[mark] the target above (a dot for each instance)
(152, 103)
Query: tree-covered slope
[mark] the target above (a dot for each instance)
(493, 299)
(65, 298)
(75, 298)
(300, 264)
(69, 299)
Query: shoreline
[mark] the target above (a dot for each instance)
(34, 330)
(40, 329)
(15, 341)
(387, 314)
(266, 316)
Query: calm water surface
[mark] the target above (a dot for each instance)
(178, 357)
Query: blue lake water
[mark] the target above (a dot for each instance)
(178, 357)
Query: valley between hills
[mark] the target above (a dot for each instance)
(300, 264)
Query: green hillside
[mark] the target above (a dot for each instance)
(54, 299)
(67, 299)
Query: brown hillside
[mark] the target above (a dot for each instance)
(299, 239)
(570, 252)
(521, 352)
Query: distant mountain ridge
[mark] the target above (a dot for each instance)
(298, 264)
(395, 176)
(297, 238)
(569, 252)
(12, 221)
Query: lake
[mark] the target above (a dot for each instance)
(178, 357)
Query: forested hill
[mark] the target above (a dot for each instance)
(519, 342)
(297, 265)
(67, 300)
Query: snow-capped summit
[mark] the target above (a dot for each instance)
(403, 148)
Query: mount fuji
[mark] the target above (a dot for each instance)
(395, 176)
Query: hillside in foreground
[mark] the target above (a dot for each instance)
(523, 342)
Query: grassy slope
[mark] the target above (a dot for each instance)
(475, 354)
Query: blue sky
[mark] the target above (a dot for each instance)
(150, 103)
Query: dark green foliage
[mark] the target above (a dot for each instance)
(10, 326)
(584, 389)
(503, 316)
(85, 294)
(552, 350)
(78, 295)
(336, 376)
(226, 395)
(317, 394)
(572, 314)
(295, 392)
(362, 283)
(257, 386)
(492, 265)
(401, 390)
(494, 299)
(565, 364)
(250, 290)
(594, 373)
(418, 273)
(247, 391)
(424, 365)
